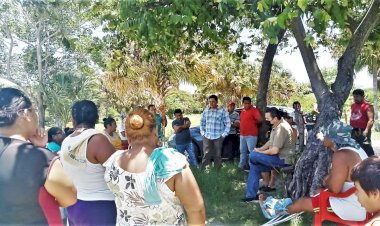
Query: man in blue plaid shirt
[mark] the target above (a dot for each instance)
(215, 126)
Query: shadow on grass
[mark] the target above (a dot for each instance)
(222, 191)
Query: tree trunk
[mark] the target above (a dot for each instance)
(10, 51)
(375, 75)
(40, 99)
(314, 162)
(266, 70)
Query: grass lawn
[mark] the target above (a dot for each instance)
(222, 191)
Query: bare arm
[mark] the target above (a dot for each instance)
(99, 149)
(59, 185)
(187, 190)
(370, 114)
(270, 151)
(177, 128)
(264, 147)
(338, 174)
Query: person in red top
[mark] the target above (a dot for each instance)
(250, 118)
(362, 119)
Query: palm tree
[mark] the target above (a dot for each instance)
(139, 83)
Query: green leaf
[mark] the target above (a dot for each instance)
(273, 40)
(302, 4)
(262, 5)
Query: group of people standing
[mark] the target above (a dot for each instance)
(145, 184)
(100, 183)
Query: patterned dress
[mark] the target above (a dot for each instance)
(128, 189)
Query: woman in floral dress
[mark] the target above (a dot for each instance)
(152, 185)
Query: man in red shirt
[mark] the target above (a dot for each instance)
(250, 118)
(362, 119)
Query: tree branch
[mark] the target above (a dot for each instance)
(50, 36)
(265, 72)
(317, 81)
(352, 24)
(347, 61)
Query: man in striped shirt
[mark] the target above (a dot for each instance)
(215, 126)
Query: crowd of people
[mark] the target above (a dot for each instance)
(143, 185)
(131, 178)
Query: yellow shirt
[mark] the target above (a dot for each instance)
(115, 140)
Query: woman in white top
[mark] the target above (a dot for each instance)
(82, 156)
(152, 185)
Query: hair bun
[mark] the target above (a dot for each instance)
(136, 122)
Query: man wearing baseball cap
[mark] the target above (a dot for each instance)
(231, 142)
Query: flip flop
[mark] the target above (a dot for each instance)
(277, 207)
(281, 219)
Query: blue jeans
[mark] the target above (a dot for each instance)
(259, 163)
(190, 151)
(247, 144)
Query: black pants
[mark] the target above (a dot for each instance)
(364, 141)
(231, 146)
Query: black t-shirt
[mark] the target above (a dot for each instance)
(23, 171)
(183, 136)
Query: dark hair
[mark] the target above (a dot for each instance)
(213, 97)
(176, 111)
(287, 116)
(366, 173)
(86, 112)
(150, 105)
(246, 98)
(12, 101)
(296, 103)
(53, 131)
(68, 131)
(108, 121)
(359, 92)
(275, 113)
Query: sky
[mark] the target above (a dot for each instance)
(292, 61)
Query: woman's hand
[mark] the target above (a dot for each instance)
(40, 138)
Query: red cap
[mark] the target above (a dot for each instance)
(231, 103)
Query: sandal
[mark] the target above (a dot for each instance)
(273, 208)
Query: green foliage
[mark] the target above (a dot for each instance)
(169, 27)
(182, 100)
(307, 101)
(63, 90)
(329, 75)
(232, 78)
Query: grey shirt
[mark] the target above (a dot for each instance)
(234, 117)
(183, 136)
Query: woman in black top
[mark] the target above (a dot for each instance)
(26, 184)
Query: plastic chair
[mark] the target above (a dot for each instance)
(324, 215)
